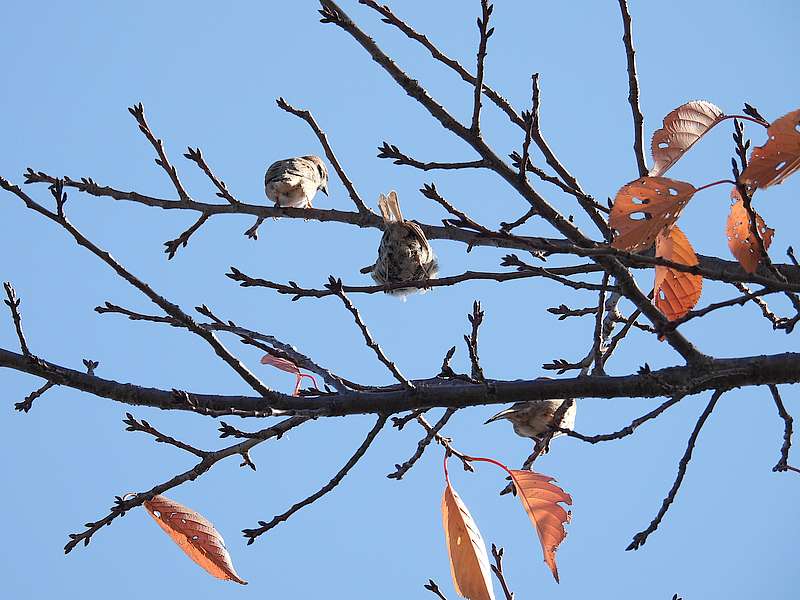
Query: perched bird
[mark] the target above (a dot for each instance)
(293, 182)
(404, 253)
(534, 418)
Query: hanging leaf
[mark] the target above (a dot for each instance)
(741, 240)
(469, 561)
(540, 498)
(675, 292)
(195, 535)
(773, 162)
(289, 367)
(682, 128)
(644, 207)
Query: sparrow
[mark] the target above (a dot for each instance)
(293, 182)
(534, 418)
(404, 253)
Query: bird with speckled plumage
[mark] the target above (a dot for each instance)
(404, 253)
(293, 182)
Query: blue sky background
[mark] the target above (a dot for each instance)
(208, 75)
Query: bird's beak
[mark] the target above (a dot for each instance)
(324, 189)
(503, 414)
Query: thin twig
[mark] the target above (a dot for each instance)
(27, 403)
(335, 286)
(393, 153)
(402, 469)
(485, 34)
(145, 427)
(497, 569)
(640, 538)
(783, 462)
(168, 307)
(252, 534)
(196, 156)
(633, 89)
(323, 139)
(475, 319)
(137, 110)
(13, 304)
(172, 246)
(625, 431)
(122, 505)
(434, 589)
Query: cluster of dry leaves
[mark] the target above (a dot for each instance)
(469, 560)
(645, 211)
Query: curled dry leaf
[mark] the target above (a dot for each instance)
(645, 207)
(741, 240)
(469, 561)
(289, 367)
(541, 498)
(675, 292)
(773, 162)
(195, 535)
(682, 128)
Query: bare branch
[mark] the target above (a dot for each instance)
(783, 462)
(196, 156)
(633, 89)
(122, 505)
(145, 427)
(172, 246)
(13, 304)
(252, 534)
(137, 110)
(171, 309)
(625, 431)
(27, 403)
(475, 319)
(432, 432)
(335, 286)
(393, 153)
(485, 34)
(640, 538)
(497, 569)
(431, 585)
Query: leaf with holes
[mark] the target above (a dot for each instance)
(682, 128)
(469, 561)
(289, 367)
(195, 535)
(645, 207)
(540, 499)
(741, 241)
(773, 162)
(675, 292)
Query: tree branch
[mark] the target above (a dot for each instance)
(633, 90)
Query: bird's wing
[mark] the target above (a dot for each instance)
(296, 167)
(416, 230)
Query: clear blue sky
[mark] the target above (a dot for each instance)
(208, 74)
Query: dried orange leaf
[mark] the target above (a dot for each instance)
(469, 562)
(675, 292)
(195, 535)
(773, 162)
(540, 498)
(644, 207)
(682, 128)
(741, 241)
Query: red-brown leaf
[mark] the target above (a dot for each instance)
(195, 535)
(289, 367)
(644, 207)
(675, 292)
(682, 128)
(742, 243)
(773, 162)
(540, 498)
(469, 561)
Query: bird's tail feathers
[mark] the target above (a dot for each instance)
(390, 208)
